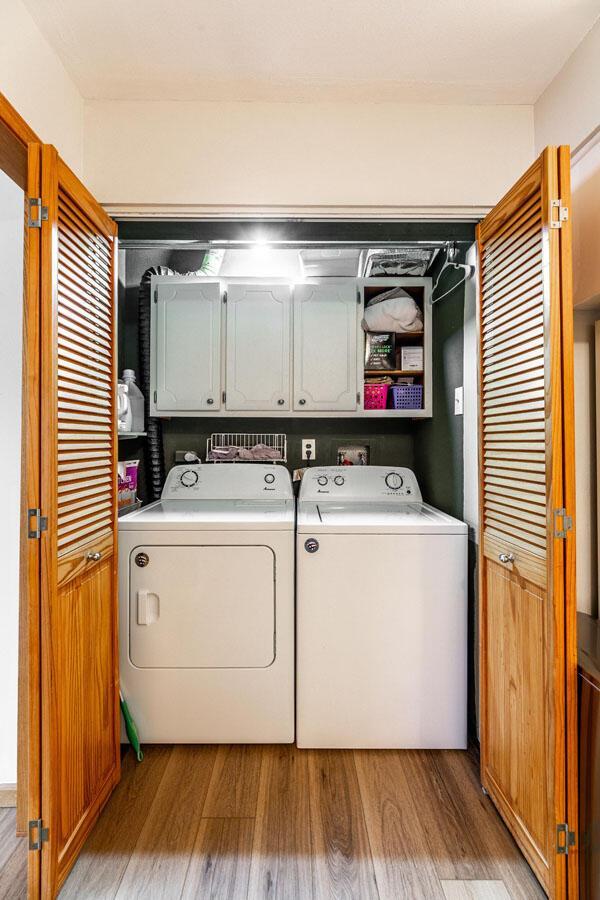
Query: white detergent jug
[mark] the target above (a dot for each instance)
(136, 401)
(123, 407)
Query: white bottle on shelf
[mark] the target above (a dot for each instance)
(136, 401)
(123, 407)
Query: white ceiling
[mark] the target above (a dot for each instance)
(438, 51)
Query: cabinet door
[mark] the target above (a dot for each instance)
(187, 347)
(258, 347)
(325, 324)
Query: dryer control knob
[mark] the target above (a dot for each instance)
(311, 545)
(322, 479)
(339, 480)
(269, 478)
(189, 478)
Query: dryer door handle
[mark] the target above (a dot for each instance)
(148, 607)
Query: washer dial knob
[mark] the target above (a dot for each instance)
(339, 480)
(394, 481)
(189, 478)
(269, 478)
(322, 480)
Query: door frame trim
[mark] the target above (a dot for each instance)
(29, 725)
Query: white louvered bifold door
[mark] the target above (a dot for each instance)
(527, 613)
(80, 712)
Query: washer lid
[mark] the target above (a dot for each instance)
(211, 515)
(375, 518)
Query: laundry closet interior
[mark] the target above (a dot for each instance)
(297, 618)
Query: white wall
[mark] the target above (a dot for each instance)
(585, 204)
(304, 154)
(569, 109)
(585, 459)
(568, 112)
(11, 312)
(34, 80)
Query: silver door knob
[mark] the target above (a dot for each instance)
(281, 401)
(302, 401)
(210, 401)
(506, 557)
(93, 555)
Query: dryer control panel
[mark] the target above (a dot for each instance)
(360, 483)
(228, 481)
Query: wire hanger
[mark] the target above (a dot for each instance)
(450, 263)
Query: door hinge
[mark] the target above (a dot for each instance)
(567, 523)
(358, 298)
(38, 835)
(37, 212)
(155, 396)
(224, 296)
(358, 398)
(224, 396)
(565, 839)
(156, 295)
(36, 523)
(558, 213)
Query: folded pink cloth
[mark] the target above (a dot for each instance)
(253, 454)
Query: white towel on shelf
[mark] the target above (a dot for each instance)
(394, 310)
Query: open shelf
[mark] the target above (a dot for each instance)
(372, 372)
(129, 435)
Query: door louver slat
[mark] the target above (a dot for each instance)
(513, 401)
(85, 391)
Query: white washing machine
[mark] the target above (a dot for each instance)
(206, 593)
(381, 605)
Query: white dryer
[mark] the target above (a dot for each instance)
(381, 602)
(206, 592)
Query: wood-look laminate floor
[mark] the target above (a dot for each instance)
(255, 823)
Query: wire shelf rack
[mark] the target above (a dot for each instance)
(226, 447)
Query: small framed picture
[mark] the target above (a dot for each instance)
(353, 455)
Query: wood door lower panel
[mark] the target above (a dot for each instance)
(517, 757)
(82, 631)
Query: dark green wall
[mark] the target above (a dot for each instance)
(433, 448)
(438, 446)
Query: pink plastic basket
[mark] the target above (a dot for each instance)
(376, 396)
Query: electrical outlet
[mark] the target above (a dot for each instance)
(458, 401)
(309, 448)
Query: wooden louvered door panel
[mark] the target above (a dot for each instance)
(80, 724)
(527, 610)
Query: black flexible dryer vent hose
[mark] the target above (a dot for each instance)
(155, 456)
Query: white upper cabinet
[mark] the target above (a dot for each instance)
(258, 347)
(187, 347)
(325, 346)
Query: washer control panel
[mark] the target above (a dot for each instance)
(360, 483)
(228, 481)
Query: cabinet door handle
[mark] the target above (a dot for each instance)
(210, 401)
(281, 401)
(302, 401)
(93, 556)
(506, 557)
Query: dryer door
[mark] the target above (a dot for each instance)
(210, 606)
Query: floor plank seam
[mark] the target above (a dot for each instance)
(367, 831)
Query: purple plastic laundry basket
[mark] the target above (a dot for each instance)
(407, 396)
(376, 396)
